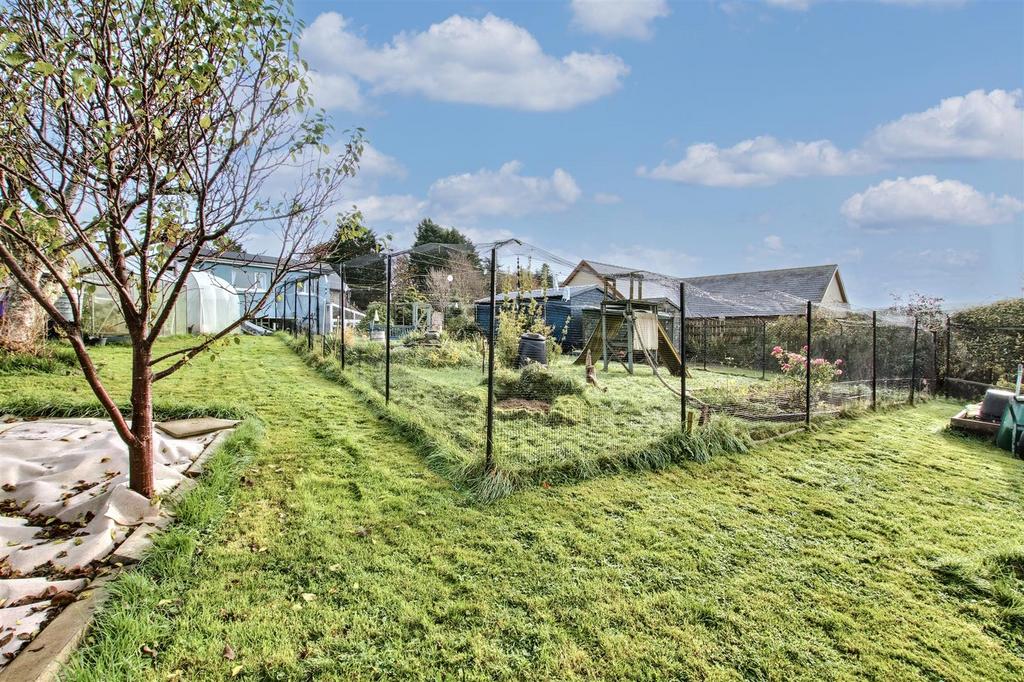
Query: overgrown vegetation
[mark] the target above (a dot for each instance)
(51, 359)
(343, 556)
(541, 437)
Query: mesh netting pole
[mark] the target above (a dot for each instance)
(935, 360)
(682, 355)
(343, 302)
(490, 361)
(913, 365)
(319, 329)
(704, 344)
(807, 370)
(764, 348)
(295, 308)
(309, 316)
(949, 344)
(387, 337)
(874, 359)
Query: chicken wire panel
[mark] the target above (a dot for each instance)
(366, 338)
(556, 412)
(894, 358)
(841, 357)
(739, 354)
(438, 358)
(979, 356)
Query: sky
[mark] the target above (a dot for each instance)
(695, 138)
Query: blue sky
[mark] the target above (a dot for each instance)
(696, 138)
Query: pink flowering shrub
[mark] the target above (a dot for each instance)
(794, 366)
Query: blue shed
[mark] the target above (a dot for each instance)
(560, 305)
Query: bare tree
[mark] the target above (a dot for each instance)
(459, 281)
(134, 136)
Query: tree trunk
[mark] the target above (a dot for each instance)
(140, 453)
(23, 325)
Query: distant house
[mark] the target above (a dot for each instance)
(763, 293)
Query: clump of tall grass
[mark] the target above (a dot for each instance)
(51, 359)
(535, 382)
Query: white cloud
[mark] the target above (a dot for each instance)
(391, 208)
(505, 192)
(926, 200)
(467, 197)
(336, 91)
(377, 164)
(804, 5)
(665, 261)
(606, 198)
(631, 19)
(977, 125)
(773, 242)
(763, 160)
(489, 61)
(955, 258)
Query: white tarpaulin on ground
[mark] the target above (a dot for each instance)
(66, 504)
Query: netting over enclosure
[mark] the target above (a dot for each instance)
(518, 365)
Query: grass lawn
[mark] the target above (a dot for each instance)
(627, 423)
(879, 547)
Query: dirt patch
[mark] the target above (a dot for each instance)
(522, 404)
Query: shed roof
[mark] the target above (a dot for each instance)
(550, 294)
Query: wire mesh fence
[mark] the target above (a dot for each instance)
(974, 356)
(501, 366)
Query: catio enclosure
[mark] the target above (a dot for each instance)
(510, 376)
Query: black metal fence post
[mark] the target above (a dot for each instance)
(764, 349)
(704, 344)
(949, 346)
(319, 319)
(807, 370)
(343, 302)
(387, 337)
(682, 355)
(874, 359)
(490, 362)
(295, 308)
(309, 315)
(913, 365)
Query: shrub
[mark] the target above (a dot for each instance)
(461, 327)
(447, 353)
(535, 382)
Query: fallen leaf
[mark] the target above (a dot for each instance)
(148, 651)
(228, 653)
(6, 638)
(362, 531)
(308, 596)
(234, 671)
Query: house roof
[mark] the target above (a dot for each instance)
(550, 294)
(763, 292)
(243, 258)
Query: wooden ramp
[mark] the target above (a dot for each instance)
(667, 352)
(594, 343)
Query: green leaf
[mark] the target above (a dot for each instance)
(204, 122)
(119, 82)
(44, 68)
(15, 58)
